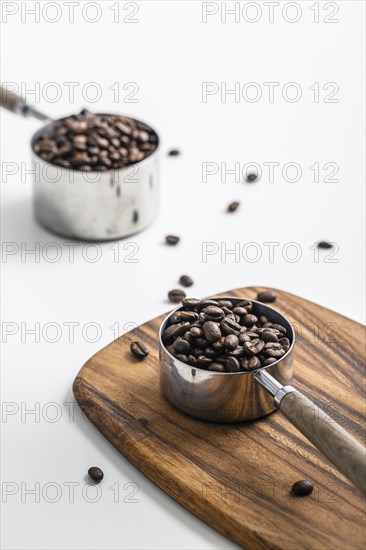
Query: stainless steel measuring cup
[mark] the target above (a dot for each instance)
(94, 206)
(240, 396)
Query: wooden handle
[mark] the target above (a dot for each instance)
(9, 100)
(340, 447)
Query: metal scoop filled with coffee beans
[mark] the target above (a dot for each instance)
(96, 175)
(231, 360)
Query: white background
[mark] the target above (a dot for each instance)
(169, 53)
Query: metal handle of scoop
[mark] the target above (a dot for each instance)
(339, 446)
(16, 104)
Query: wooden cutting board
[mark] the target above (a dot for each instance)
(238, 477)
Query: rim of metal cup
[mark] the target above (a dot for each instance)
(261, 304)
(109, 170)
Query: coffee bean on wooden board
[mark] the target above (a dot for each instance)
(233, 206)
(302, 488)
(207, 333)
(266, 296)
(176, 295)
(172, 239)
(95, 474)
(139, 349)
(325, 245)
(97, 142)
(185, 280)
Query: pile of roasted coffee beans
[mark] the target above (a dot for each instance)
(96, 142)
(221, 336)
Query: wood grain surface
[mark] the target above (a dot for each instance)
(238, 477)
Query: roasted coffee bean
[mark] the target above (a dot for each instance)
(176, 317)
(233, 206)
(197, 332)
(231, 341)
(182, 357)
(269, 361)
(210, 352)
(202, 342)
(232, 365)
(96, 474)
(212, 331)
(213, 313)
(249, 320)
(244, 338)
(175, 330)
(276, 353)
(267, 296)
(202, 304)
(204, 361)
(188, 336)
(225, 303)
(190, 303)
(268, 336)
(172, 239)
(176, 295)
(185, 280)
(254, 363)
(285, 343)
(302, 488)
(245, 304)
(241, 311)
(249, 349)
(228, 326)
(190, 316)
(325, 245)
(192, 360)
(251, 178)
(237, 352)
(216, 367)
(279, 327)
(181, 346)
(219, 344)
(174, 152)
(139, 349)
(263, 319)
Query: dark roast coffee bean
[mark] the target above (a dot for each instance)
(174, 152)
(182, 357)
(249, 320)
(254, 363)
(210, 352)
(233, 206)
(181, 346)
(204, 361)
(202, 304)
(176, 295)
(176, 317)
(219, 344)
(225, 303)
(231, 341)
(267, 296)
(213, 313)
(228, 326)
(139, 349)
(285, 343)
(241, 311)
(279, 327)
(185, 280)
(237, 352)
(172, 239)
(245, 304)
(95, 474)
(212, 331)
(269, 361)
(190, 316)
(216, 367)
(269, 336)
(232, 365)
(324, 244)
(190, 303)
(302, 488)
(196, 332)
(251, 177)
